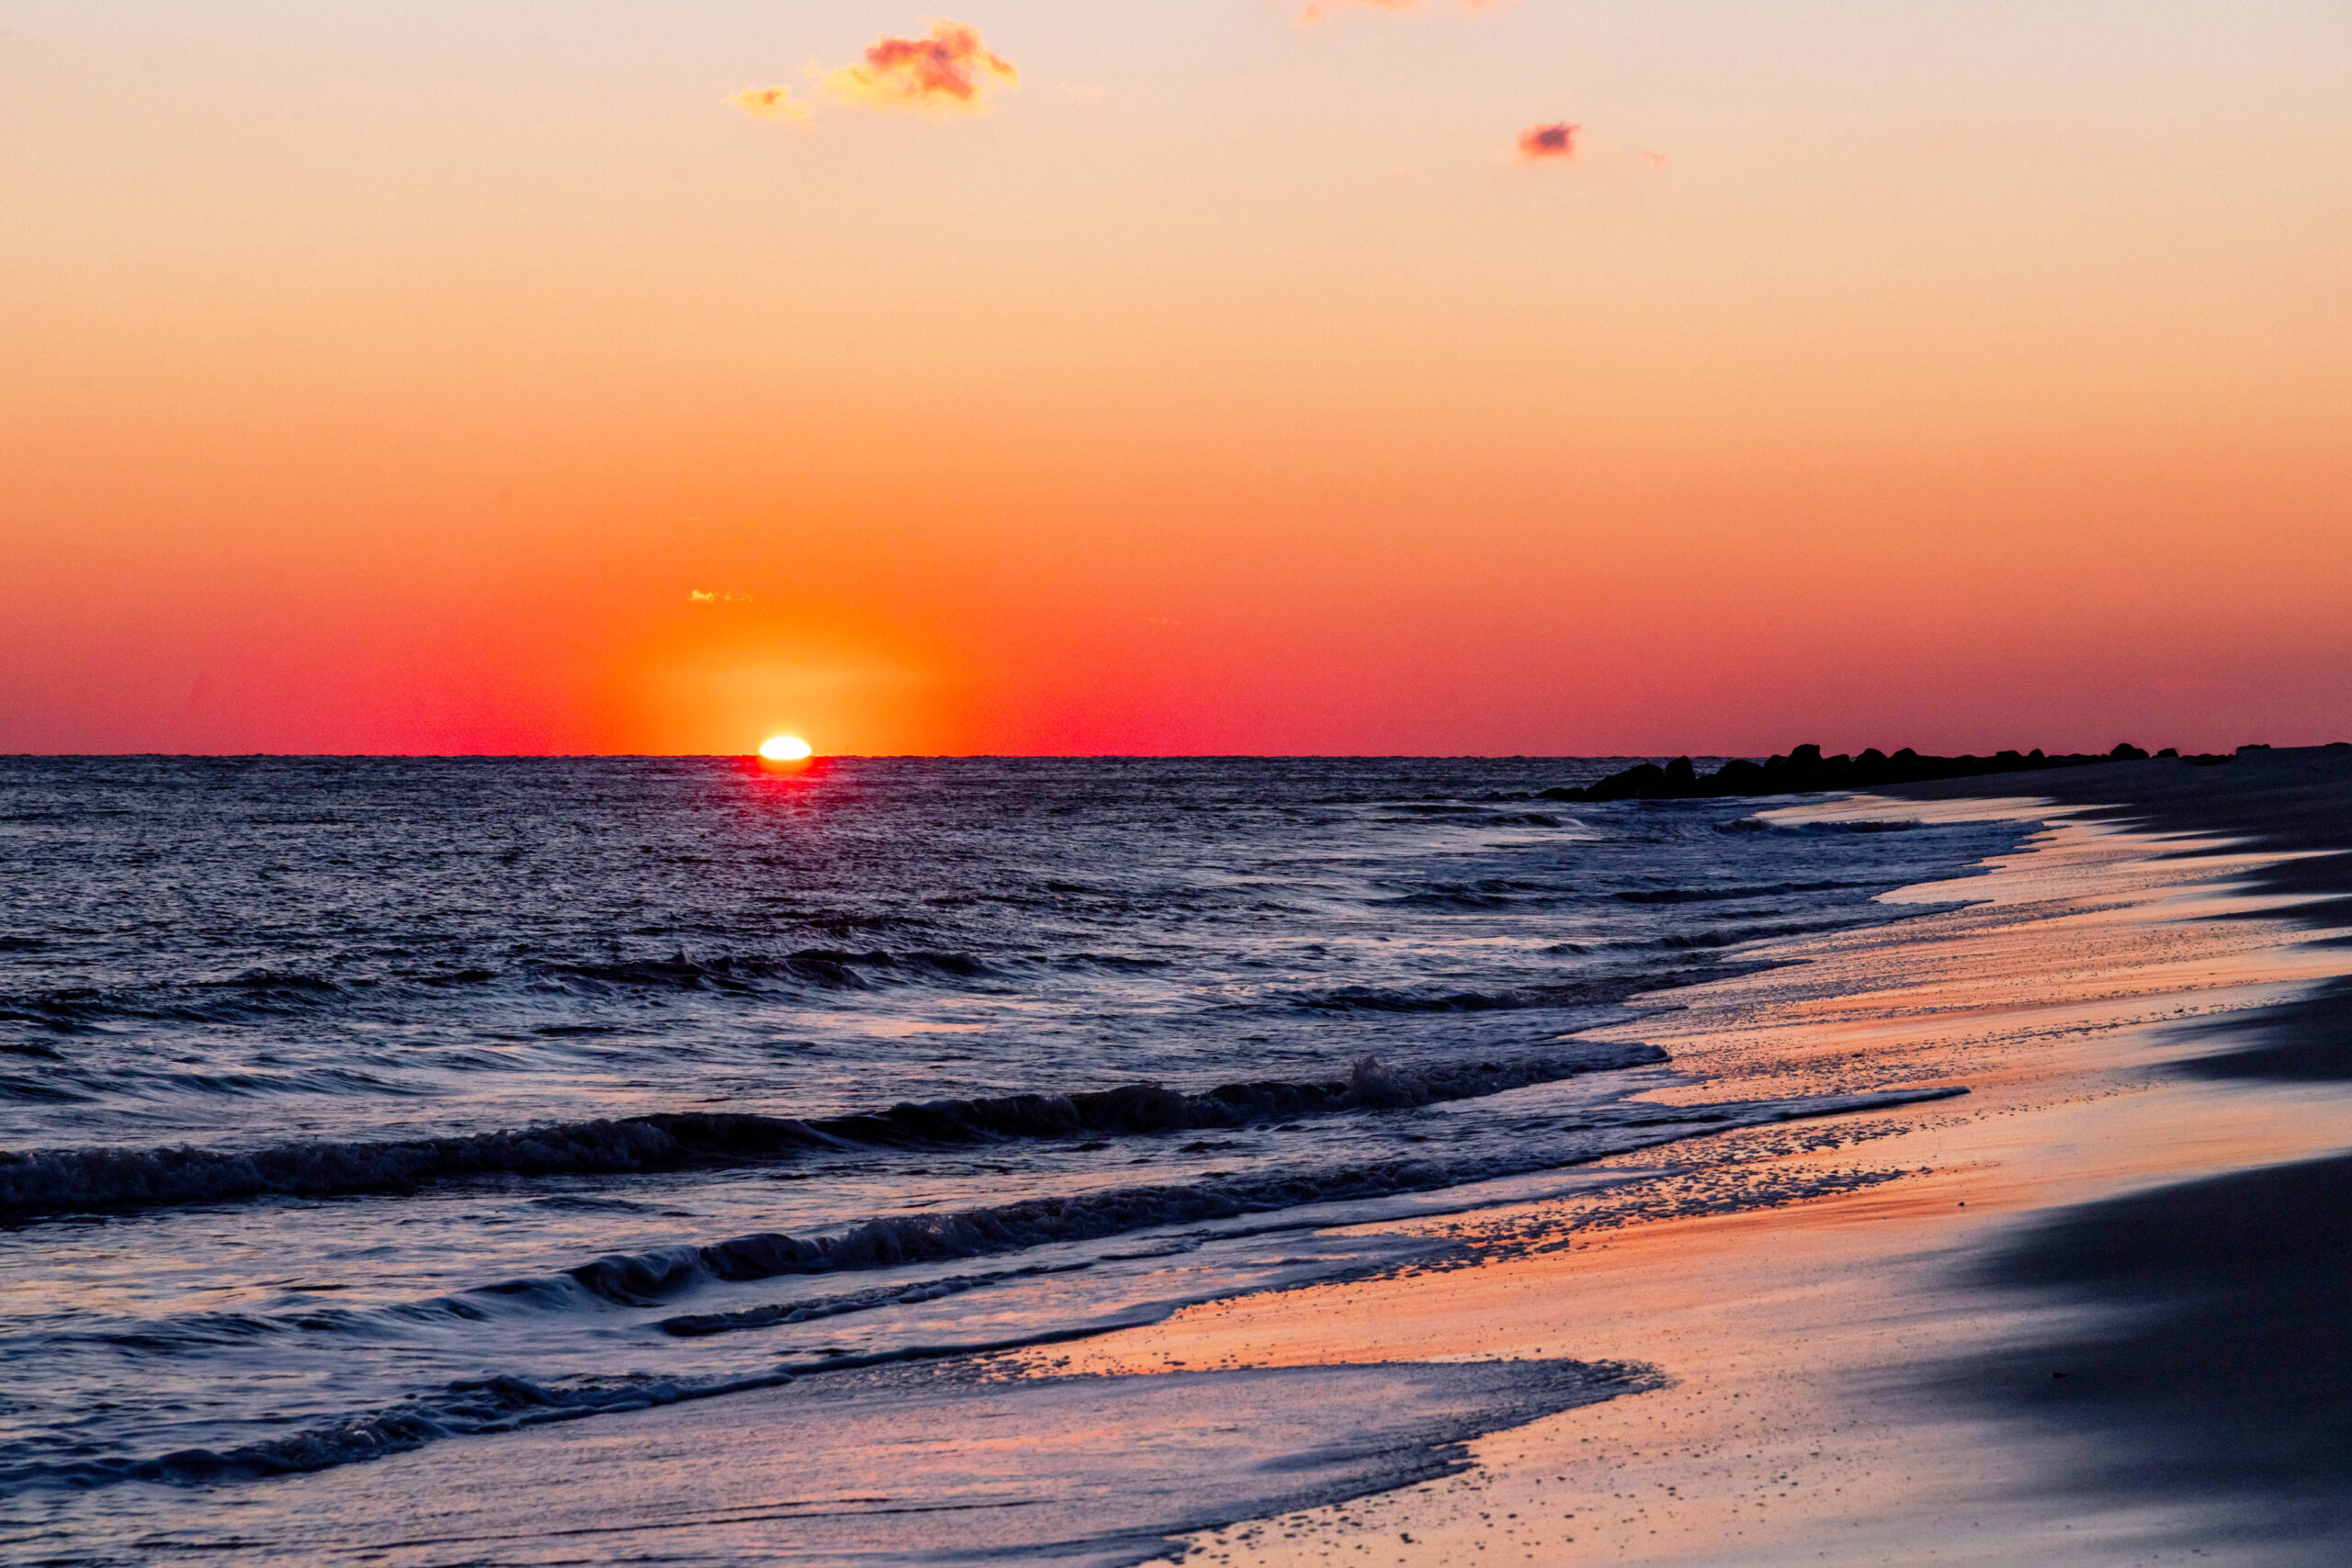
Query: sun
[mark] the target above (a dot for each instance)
(785, 749)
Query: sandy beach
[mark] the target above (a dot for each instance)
(2092, 1311)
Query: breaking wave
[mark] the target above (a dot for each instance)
(1599, 992)
(895, 1241)
(1716, 895)
(504, 1403)
(52, 1181)
(467, 1408)
(259, 995)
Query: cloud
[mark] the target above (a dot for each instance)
(770, 103)
(946, 68)
(1558, 139)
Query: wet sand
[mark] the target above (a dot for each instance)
(2092, 1312)
(2219, 1362)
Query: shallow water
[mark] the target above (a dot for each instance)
(351, 1104)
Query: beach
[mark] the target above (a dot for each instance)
(1289, 782)
(2103, 1320)
(2093, 1310)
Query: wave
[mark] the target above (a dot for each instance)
(51, 1181)
(497, 1402)
(1111, 963)
(472, 1407)
(280, 982)
(504, 1402)
(1814, 830)
(649, 1278)
(1453, 898)
(1714, 895)
(1567, 994)
(1754, 930)
(773, 1314)
(38, 1091)
(80, 1010)
(1487, 893)
(69, 1011)
(260, 995)
(828, 969)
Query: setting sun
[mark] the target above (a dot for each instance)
(786, 749)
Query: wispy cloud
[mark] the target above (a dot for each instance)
(946, 68)
(770, 103)
(1558, 139)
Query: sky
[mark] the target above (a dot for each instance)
(1544, 376)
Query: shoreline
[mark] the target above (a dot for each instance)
(1798, 1341)
(1867, 1376)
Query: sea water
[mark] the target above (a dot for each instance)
(348, 1105)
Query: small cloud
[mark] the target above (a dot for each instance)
(770, 103)
(1558, 139)
(946, 68)
(697, 596)
(1655, 160)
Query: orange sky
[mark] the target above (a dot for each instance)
(1144, 377)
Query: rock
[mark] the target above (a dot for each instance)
(1805, 770)
(1642, 781)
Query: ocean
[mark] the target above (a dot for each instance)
(351, 1105)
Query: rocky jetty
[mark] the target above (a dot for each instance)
(1805, 770)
